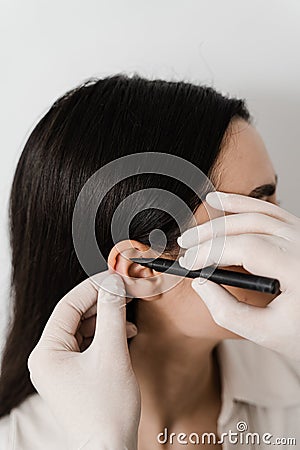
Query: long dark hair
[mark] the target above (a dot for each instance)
(85, 129)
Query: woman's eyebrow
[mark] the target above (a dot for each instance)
(266, 190)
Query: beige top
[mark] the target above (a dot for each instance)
(260, 391)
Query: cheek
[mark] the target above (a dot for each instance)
(192, 318)
(248, 296)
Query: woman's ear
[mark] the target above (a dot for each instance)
(140, 281)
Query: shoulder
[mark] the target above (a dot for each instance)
(260, 390)
(4, 432)
(31, 426)
(258, 375)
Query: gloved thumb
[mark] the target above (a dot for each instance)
(110, 332)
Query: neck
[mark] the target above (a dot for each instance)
(178, 375)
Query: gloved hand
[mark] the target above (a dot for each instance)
(93, 394)
(265, 240)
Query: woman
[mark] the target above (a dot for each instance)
(194, 375)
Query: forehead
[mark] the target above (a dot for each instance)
(243, 163)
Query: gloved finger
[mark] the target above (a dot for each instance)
(88, 326)
(110, 334)
(131, 330)
(234, 224)
(245, 320)
(258, 254)
(92, 311)
(59, 332)
(79, 339)
(237, 203)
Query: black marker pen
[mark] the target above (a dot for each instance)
(227, 277)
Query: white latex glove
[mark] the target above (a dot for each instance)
(93, 394)
(265, 240)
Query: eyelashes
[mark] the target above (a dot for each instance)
(266, 199)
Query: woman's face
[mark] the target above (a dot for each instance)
(243, 166)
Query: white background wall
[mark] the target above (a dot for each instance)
(245, 48)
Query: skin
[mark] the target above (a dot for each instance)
(172, 354)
